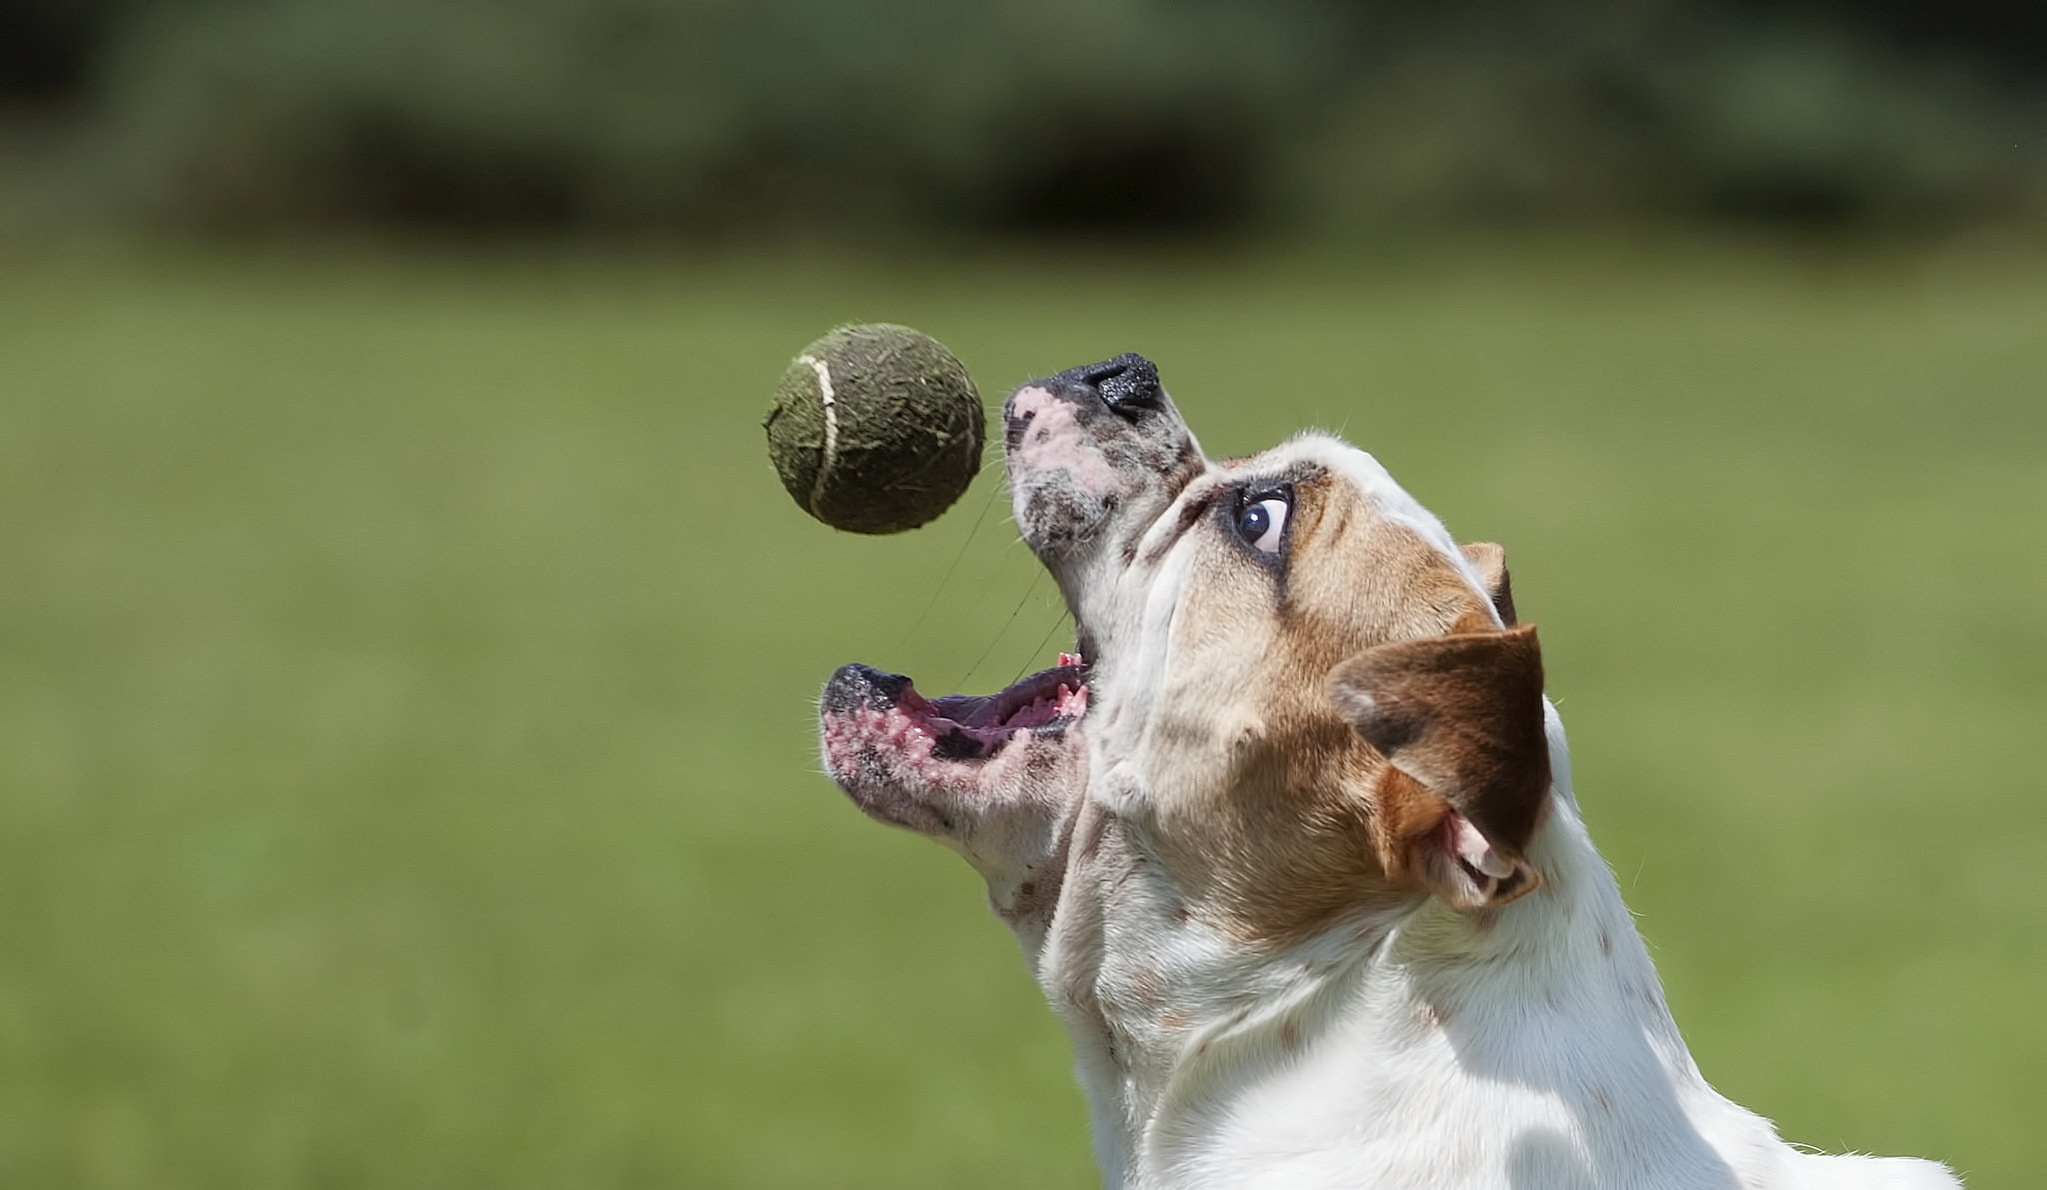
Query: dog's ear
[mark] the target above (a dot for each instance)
(1490, 560)
(1460, 719)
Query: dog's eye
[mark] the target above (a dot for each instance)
(1262, 524)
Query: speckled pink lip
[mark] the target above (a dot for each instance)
(972, 725)
(951, 738)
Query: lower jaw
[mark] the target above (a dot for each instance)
(904, 748)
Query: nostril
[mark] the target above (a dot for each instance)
(1128, 382)
(1108, 369)
(1128, 385)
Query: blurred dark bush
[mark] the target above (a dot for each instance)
(724, 117)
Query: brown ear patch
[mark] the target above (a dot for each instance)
(1490, 560)
(1406, 816)
(1462, 715)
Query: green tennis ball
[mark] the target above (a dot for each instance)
(875, 429)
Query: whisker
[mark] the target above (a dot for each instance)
(1040, 650)
(957, 558)
(1028, 592)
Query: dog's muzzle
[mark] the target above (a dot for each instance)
(1127, 386)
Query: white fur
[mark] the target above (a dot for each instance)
(1527, 1048)
(1533, 1059)
(1405, 1044)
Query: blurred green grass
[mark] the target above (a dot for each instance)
(406, 762)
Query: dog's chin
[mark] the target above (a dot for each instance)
(927, 763)
(1055, 515)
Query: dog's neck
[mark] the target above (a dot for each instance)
(1537, 1032)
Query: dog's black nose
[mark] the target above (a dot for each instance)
(1126, 384)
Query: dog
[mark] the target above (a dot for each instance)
(1290, 841)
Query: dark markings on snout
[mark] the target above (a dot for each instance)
(1127, 386)
(957, 745)
(861, 687)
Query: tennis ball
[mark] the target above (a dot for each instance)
(875, 429)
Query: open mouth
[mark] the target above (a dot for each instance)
(975, 727)
(866, 707)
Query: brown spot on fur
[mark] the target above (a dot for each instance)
(1174, 1019)
(1605, 943)
(1290, 1036)
(1462, 714)
(1148, 987)
(1309, 823)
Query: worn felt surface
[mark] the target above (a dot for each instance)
(908, 436)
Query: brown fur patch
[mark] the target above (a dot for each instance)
(1408, 821)
(1291, 819)
(1462, 714)
(1148, 987)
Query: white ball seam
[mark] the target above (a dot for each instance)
(831, 429)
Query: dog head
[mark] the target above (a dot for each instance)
(1300, 696)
